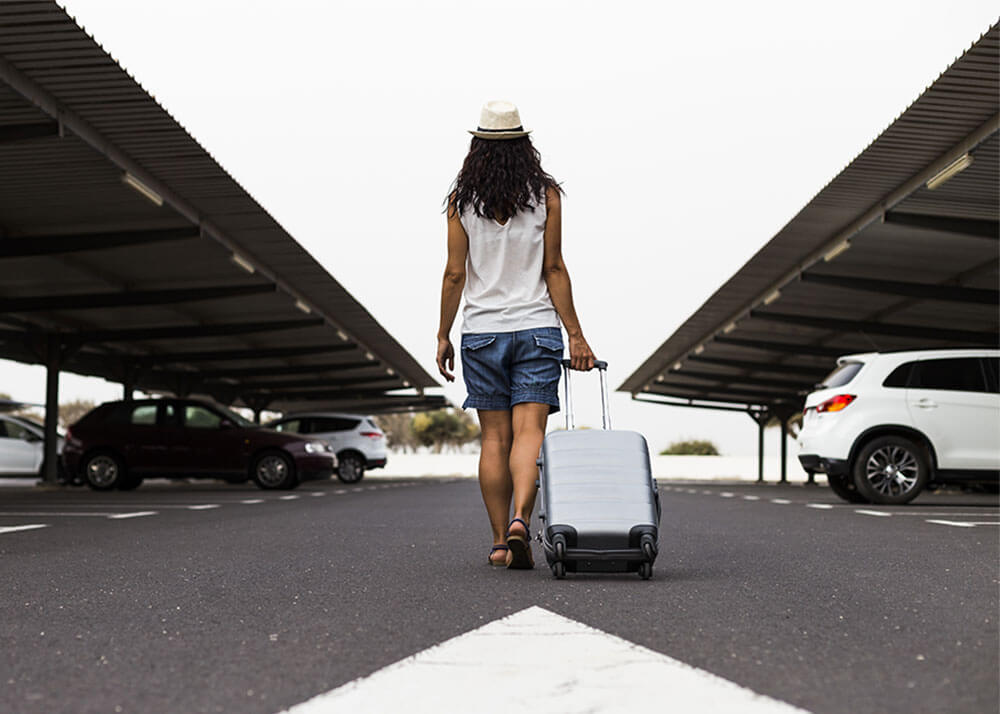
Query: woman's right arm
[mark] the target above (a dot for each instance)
(557, 279)
(451, 292)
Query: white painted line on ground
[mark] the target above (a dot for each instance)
(290, 497)
(55, 514)
(945, 513)
(821, 506)
(372, 488)
(340, 491)
(252, 501)
(751, 498)
(136, 514)
(317, 493)
(965, 524)
(727, 494)
(866, 512)
(561, 666)
(782, 501)
(203, 507)
(28, 527)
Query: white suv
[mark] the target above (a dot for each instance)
(882, 426)
(22, 446)
(357, 440)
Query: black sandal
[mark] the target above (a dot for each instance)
(519, 547)
(493, 550)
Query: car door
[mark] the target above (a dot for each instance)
(948, 400)
(212, 444)
(20, 449)
(142, 438)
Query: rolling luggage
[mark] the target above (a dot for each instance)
(600, 510)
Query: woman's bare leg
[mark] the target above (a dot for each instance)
(528, 421)
(494, 472)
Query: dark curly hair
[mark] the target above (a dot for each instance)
(499, 178)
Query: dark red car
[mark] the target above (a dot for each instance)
(117, 444)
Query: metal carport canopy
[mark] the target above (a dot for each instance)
(128, 253)
(877, 261)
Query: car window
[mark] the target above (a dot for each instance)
(992, 365)
(144, 414)
(900, 376)
(293, 426)
(372, 424)
(324, 425)
(198, 417)
(16, 431)
(3, 430)
(963, 374)
(843, 374)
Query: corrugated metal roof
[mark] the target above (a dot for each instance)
(751, 345)
(72, 122)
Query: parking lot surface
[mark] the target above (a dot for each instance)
(208, 597)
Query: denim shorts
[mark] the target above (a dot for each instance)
(502, 369)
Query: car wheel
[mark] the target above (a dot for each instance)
(891, 470)
(274, 470)
(844, 488)
(104, 471)
(350, 468)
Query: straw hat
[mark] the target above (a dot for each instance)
(499, 120)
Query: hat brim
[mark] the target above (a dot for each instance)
(499, 134)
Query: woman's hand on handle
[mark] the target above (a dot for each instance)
(446, 358)
(581, 357)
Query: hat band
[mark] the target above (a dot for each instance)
(499, 131)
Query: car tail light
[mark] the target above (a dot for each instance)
(836, 404)
(372, 434)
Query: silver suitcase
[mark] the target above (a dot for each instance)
(600, 510)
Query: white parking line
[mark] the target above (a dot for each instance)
(28, 527)
(781, 501)
(317, 493)
(289, 497)
(727, 494)
(706, 493)
(821, 506)
(965, 524)
(252, 501)
(136, 514)
(55, 514)
(340, 491)
(751, 498)
(865, 512)
(203, 507)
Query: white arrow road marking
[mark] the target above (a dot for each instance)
(29, 527)
(536, 660)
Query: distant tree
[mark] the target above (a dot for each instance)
(70, 412)
(398, 430)
(444, 428)
(691, 447)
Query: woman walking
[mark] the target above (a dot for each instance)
(505, 258)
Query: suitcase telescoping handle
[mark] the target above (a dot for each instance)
(602, 367)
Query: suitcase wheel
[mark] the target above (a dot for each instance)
(646, 571)
(559, 569)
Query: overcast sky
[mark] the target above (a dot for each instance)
(685, 136)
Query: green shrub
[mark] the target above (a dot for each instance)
(691, 447)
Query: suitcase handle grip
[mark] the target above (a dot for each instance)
(598, 364)
(602, 367)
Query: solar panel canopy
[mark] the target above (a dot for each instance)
(898, 252)
(127, 252)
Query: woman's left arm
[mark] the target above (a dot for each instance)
(451, 292)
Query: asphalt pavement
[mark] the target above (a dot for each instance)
(217, 598)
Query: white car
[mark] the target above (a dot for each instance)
(882, 426)
(22, 446)
(357, 440)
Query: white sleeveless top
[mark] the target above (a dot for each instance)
(504, 287)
